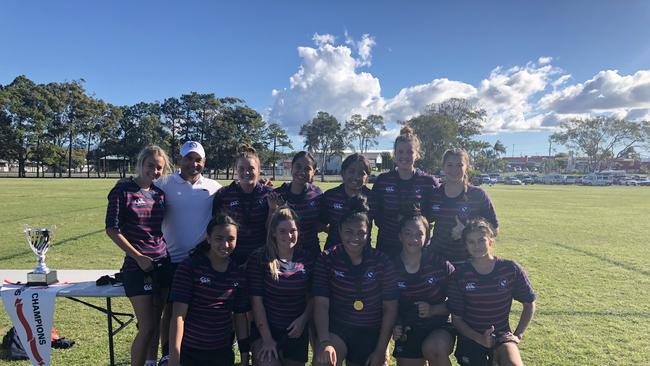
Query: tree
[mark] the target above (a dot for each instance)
(172, 112)
(449, 124)
(324, 135)
(601, 138)
(365, 130)
(279, 137)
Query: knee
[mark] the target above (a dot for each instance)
(433, 350)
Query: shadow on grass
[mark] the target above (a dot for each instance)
(617, 314)
(50, 214)
(56, 244)
(604, 259)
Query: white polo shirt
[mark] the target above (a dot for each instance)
(187, 212)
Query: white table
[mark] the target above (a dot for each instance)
(81, 283)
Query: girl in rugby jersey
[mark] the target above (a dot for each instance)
(355, 170)
(134, 222)
(423, 331)
(304, 198)
(454, 203)
(404, 185)
(480, 296)
(245, 201)
(209, 289)
(355, 296)
(279, 277)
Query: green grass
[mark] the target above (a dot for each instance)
(585, 249)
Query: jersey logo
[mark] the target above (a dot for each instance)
(418, 190)
(234, 203)
(312, 203)
(370, 275)
(464, 211)
(401, 284)
(338, 206)
(431, 280)
(261, 201)
(435, 207)
(390, 189)
(470, 286)
(503, 284)
(235, 284)
(204, 280)
(139, 202)
(339, 274)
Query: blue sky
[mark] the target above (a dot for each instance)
(530, 64)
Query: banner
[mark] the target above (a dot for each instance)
(31, 310)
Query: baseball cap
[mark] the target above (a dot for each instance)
(192, 146)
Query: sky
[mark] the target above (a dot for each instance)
(529, 64)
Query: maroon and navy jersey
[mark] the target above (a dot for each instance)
(250, 210)
(485, 300)
(307, 206)
(138, 215)
(392, 195)
(468, 205)
(428, 284)
(211, 297)
(334, 206)
(372, 282)
(284, 299)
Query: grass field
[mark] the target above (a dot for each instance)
(585, 250)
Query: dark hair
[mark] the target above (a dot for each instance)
(357, 209)
(412, 212)
(219, 219)
(478, 224)
(356, 157)
(306, 155)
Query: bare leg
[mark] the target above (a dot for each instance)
(437, 347)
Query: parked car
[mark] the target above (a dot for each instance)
(553, 179)
(572, 179)
(528, 180)
(630, 182)
(645, 181)
(595, 179)
(513, 181)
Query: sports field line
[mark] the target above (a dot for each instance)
(56, 244)
(58, 213)
(604, 259)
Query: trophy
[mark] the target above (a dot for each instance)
(40, 241)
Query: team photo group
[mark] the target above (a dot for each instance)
(207, 267)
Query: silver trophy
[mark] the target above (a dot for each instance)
(39, 241)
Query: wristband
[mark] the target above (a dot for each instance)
(244, 345)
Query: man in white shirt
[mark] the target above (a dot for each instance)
(188, 209)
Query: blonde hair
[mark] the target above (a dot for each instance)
(464, 156)
(406, 134)
(149, 151)
(247, 151)
(284, 213)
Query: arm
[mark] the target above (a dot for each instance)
(176, 332)
(145, 263)
(485, 339)
(298, 325)
(426, 310)
(325, 350)
(389, 311)
(268, 343)
(241, 330)
(525, 318)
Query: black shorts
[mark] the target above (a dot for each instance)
(138, 282)
(470, 353)
(200, 357)
(411, 347)
(361, 342)
(294, 349)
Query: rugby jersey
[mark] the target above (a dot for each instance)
(212, 297)
(428, 284)
(392, 195)
(485, 300)
(250, 210)
(372, 282)
(467, 205)
(307, 206)
(138, 215)
(334, 205)
(286, 299)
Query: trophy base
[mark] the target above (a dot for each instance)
(41, 279)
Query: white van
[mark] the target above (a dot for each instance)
(597, 179)
(553, 179)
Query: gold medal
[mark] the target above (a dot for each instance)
(358, 305)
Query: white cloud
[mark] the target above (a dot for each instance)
(323, 39)
(544, 60)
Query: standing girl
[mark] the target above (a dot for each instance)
(133, 221)
(355, 296)
(208, 288)
(454, 203)
(280, 280)
(304, 198)
(245, 201)
(480, 296)
(355, 170)
(403, 186)
(423, 330)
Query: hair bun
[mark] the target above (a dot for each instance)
(406, 130)
(410, 209)
(247, 148)
(358, 203)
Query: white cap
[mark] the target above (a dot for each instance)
(192, 146)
